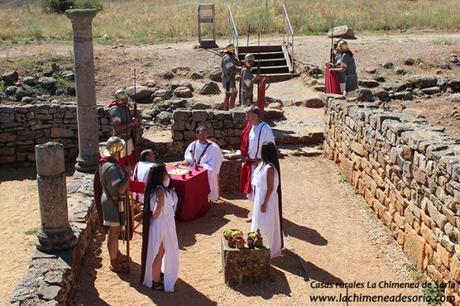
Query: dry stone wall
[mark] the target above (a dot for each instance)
(24, 126)
(408, 172)
(224, 127)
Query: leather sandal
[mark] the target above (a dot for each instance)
(158, 286)
(122, 258)
(117, 267)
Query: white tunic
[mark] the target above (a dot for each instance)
(256, 142)
(141, 174)
(163, 230)
(269, 221)
(211, 160)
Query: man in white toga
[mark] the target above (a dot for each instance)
(206, 154)
(260, 133)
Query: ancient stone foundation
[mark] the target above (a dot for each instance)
(24, 126)
(224, 127)
(408, 172)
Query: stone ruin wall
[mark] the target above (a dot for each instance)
(224, 127)
(408, 172)
(24, 126)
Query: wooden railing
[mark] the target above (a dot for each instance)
(233, 29)
(288, 38)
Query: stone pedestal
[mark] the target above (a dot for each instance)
(245, 265)
(88, 130)
(55, 233)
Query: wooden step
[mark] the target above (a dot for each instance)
(272, 69)
(264, 55)
(256, 49)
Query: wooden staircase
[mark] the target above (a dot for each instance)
(274, 61)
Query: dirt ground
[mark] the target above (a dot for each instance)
(329, 239)
(18, 223)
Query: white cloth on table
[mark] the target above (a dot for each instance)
(141, 174)
(211, 160)
(163, 230)
(269, 221)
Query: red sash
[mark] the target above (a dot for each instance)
(245, 178)
(262, 88)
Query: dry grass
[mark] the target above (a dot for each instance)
(148, 21)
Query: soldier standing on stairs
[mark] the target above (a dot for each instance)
(230, 66)
(248, 79)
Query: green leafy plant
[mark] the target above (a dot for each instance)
(2, 85)
(60, 6)
(433, 294)
(343, 178)
(32, 231)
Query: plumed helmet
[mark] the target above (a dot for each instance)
(112, 146)
(249, 57)
(121, 94)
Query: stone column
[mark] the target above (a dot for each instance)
(88, 125)
(55, 233)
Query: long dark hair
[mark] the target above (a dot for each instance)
(155, 179)
(269, 155)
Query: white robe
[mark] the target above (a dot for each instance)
(269, 221)
(141, 174)
(255, 144)
(211, 161)
(163, 230)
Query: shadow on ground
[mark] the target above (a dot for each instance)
(215, 220)
(304, 233)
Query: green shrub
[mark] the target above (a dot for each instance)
(60, 6)
(89, 4)
(57, 6)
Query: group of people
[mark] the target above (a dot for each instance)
(233, 69)
(260, 180)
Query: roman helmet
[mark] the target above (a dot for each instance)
(112, 146)
(249, 57)
(121, 94)
(342, 45)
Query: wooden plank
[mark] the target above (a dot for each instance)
(288, 58)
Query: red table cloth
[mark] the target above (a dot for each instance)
(332, 82)
(193, 191)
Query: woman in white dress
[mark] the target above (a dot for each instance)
(160, 249)
(267, 207)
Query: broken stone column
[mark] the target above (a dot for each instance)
(55, 233)
(88, 129)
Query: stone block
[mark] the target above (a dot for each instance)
(61, 133)
(7, 137)
(245, 265)
(358, 149)
(181, 114)
(437, 217)
(443, 255)
(414, 246)
(199, 115)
